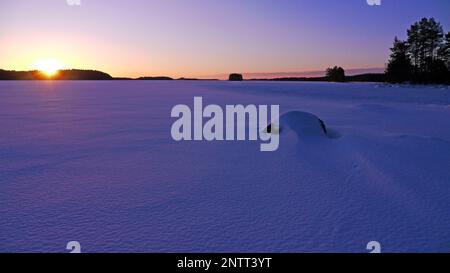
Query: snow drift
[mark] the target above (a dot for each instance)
(304, 125)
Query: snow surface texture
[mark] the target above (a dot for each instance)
(94, 162)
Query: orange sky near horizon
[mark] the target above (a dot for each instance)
(73, 53)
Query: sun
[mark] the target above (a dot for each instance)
(49, 67)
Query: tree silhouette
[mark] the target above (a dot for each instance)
(424, 39)
(423, 58)
(72, 74)
(335, 74)
(444, 51)
(235, 77)
(399, 68)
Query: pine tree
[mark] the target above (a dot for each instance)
(444, 51)
(399, 68)
(414, 44)
(424, 40)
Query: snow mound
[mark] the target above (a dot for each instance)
(305, 125)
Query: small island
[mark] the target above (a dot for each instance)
(234, 77)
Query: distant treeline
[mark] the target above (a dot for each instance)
(160, 78)
(164, 78)
(369, 77)
(76, 74)
(72, 74)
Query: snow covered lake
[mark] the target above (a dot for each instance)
(94, 162)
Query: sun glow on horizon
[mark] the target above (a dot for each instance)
(49, 67)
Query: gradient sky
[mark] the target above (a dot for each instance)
(206, 37)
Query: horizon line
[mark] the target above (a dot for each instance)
(247, 75)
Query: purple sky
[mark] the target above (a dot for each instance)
(207, 37)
